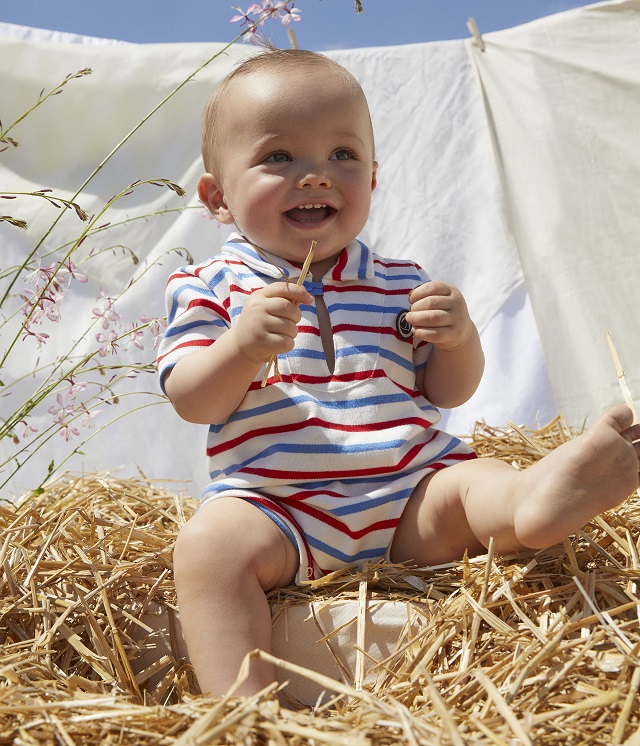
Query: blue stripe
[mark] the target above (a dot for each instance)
(364, 505)
(451, 444)
(306, 448)
(366, 308)
(416, 277)
(387, 354)
(293, 401)
(364, 260)
(172, 331)
(175, 298)
(302, 352)
(278, 521)
(162, 373)
(221, 276)
(365, 554)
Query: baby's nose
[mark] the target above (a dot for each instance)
(314, 175)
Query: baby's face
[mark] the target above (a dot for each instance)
(297, 163)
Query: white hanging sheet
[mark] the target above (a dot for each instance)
(438, 202)
(563, 100)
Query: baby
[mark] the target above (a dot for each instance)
(336, 459)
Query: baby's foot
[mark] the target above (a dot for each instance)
(590, 474)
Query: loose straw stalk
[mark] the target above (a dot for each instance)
(273, 360)
(86, 571)
(621, 379)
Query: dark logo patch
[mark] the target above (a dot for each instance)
(403, 327)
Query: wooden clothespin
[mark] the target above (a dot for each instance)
(477, 38)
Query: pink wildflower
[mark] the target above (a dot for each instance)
(75, 388)
(108, 342)
(89, 416)
(287, 15)
(40, 276)
(69, 271)
(242, 16)
(105, 310)
(61, 411)
(68, 431)
(27, 429)
(40, 337)
(135, 337)
(156, 328)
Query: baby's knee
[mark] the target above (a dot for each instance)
(231, 540)
(206, 545)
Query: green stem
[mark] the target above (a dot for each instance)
(76, 450)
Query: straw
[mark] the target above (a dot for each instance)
(626, 394)
(273, 360)
(538, 647)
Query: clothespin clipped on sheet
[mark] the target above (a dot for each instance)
(477, 39)
(292, 38)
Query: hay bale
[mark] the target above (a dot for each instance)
(538, 648)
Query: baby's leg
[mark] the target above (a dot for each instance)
(225, 558)
(463, 506)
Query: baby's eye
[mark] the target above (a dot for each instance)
(344, 154)
(279, 157)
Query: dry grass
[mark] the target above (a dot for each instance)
(537, 649)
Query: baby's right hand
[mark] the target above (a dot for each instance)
(268, 324)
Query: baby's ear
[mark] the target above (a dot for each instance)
(212, 198)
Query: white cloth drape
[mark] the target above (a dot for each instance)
(534, 200)
(563, 101)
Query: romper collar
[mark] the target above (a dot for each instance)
(355, 261)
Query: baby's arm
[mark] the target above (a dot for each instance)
(208, 385)
(439, 315)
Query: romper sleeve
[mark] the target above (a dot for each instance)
(196, 317)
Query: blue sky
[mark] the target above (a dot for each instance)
(326, 24)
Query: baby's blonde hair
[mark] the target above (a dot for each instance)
(267, 61)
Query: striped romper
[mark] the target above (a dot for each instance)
(331, 458)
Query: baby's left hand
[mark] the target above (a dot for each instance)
(439, 314)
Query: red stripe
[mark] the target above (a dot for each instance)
(315, 422)
(366, 289)
(192, 343)
(304, 494)
(271, 505)
(400, 263)
(370, 330)
(343, 474)
(303, 329)
(360, 376)
(329, 520)
(340, 265)
(363, 375)
(241, 290)
(178, 276)
(203, 303)
(346, 377)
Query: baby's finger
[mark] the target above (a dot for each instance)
(283, 308)
(289, 290)
(426, 319)
(429, 290)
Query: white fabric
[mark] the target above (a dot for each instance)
(319, 636)
(438, 186)
(563, 99)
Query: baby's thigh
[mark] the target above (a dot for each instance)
(230, 536)
(433, 527)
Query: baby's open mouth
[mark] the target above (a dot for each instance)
(310, 213)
